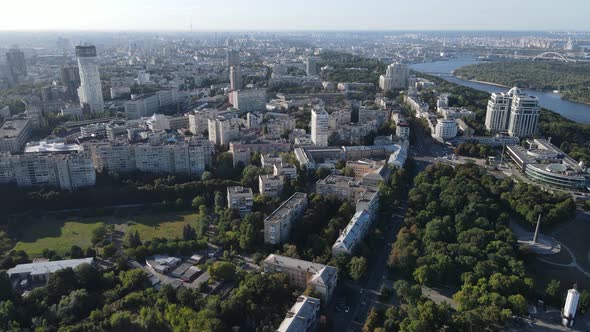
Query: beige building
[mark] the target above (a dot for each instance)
(371, 172)
(270, 185)
(303, 274)
(278, 225)
(240, 199)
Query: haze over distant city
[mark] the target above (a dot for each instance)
(290, 15)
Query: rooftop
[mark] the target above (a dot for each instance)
(300, 313)
(287, 205)
(48, 267)
(13, 128)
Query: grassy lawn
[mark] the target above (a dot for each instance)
(60, 234)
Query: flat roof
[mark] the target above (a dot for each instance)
(300, 313)
(13, 128)
(287, 205)
(48, 267)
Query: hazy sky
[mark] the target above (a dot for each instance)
(294, 15)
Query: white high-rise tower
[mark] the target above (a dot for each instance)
(397, 76)
(319, 127)
(514, 111)
(90, 90)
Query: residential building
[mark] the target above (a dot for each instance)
(70, 78)
(312, 65)
(142, 106)
(242, 156)
(396, 77)
(287, 171)
(68, 171)
(371, 172)
(303, 274)
(221, 131)
(319, 127)
(268, 160)
(270, 185)
(113, 157)
(240, 199)
(302, 317)
(498, 112)
(90, 90)
(14, 134)
(198, 120)
(248, 100)
(232, 57)
(514, 112)
(17, 66)
(235, 78)
(524, 115)
(278, 225)
(348, 188)
(353, 234)
(445, 129)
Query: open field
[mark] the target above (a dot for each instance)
(59, 234)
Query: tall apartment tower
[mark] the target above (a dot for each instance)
(232, 57)
(397, 76)
(514, 111)
(498, 112)
(312, 66)
(17, 67)
(319, 127)
(90, 90)
(524, 115)
(235, 77)
(70, 78)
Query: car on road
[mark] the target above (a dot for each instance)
(347, 309)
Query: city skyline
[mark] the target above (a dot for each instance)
(184, 15)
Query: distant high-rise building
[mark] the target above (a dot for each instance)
(312, 66)
(235, 78)
(90, 90)
(70, 78)
(319, 127)
(524, 115)
(498, 112)
(514, 112)
(17, 67)
(397, 76)
(232, 57)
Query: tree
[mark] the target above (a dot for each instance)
(98, 234)
(76, 252)
(206, 176)
(133, 239)
(188, 233)
(222, 271)
(322, 172)
(247, 236)
(372, 321)
(197, 202)
(133, 280)
(6, 291)
(357, 268)
(109, 250)
(552, 291)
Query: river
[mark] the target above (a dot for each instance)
(549, 100)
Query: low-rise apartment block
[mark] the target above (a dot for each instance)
(240, 199)
(278, 225)
(14, 134)
(303, 315)
(303, 274)
(270, 185)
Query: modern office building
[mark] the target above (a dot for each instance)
(14, 134)
(17, 66)
(235, 78)
(240, 199)
(303, 274)
(546, 164)
(270, 185)
(514, 112)
(90, 90)
(396, 76)
(319, 127)
(278, 225)
(303, 316)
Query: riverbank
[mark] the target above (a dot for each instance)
(481, 82)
